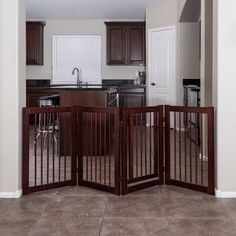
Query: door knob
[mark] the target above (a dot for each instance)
(153, 84)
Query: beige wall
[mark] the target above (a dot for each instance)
(77, 27)
(12, 94)
(188, 54)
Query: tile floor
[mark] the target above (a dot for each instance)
(82, 211)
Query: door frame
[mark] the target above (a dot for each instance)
(159, 29)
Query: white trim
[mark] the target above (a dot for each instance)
(16, 194)
(222, 194)
(150, 31)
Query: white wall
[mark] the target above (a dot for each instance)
(226, 97)
(12, 94)
(77, 27)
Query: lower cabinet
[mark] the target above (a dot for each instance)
(132, 97)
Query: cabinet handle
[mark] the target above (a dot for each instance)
(153, 84)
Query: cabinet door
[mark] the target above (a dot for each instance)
(132, 100)
(34, 43)
(116, 45)
(136, 44)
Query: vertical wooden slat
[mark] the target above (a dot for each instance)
(136, 143)
(100, 146)
(196, 148)
(175, 151)
(48, 124)
(124, 152)
(42, 143)
(131, 144)
(76, 148)
(91, 147)
(145, 144)
(109, 148)
(155, 146)
(160, 144)
(117, 151)
(25, 150)
(35, 149)
(141, 143)
(201, 148)
(210, 143)
(185, 146)
(105, 147)
(180, 151)
(190, 148)
(87, 152)
(150, 143)
(167, 144)
(96, 144)
(53, 148)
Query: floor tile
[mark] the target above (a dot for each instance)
(177, 192)
(134, 226)
(62, 226)
(202, 227)
(230, 205)
(82, 206)
(186, 208)
(18, 228)
(135, 206)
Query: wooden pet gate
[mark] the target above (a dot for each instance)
(118, 150)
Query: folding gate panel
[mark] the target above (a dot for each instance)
(99, 160)
(189, 147)
(48, 155)
(142, 163)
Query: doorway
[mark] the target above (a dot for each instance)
(162, 60)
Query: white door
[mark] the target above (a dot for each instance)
(81, 51)
(162, 84)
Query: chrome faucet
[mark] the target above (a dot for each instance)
(78, 75)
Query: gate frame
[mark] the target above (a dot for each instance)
(159, 151)
(26, 189)
(79, 148)
(209, 111)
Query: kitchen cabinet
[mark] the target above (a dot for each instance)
(33, 94)
(132, 97)
(34, 43)
(126, 43)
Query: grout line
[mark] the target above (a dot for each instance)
(103, 216)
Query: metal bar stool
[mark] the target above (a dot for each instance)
(47, 123)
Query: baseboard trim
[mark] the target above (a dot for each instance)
(222, 194)
(16, 194)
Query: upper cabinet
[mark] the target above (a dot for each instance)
(34, 43)
(126, 43)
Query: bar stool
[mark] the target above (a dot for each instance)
(47, 123)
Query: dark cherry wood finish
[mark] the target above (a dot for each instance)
(132, 97)
(126, 43)
(142, 156)
(185, 166)
(34, 43)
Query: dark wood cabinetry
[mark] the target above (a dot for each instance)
(34, 43)
(126, 43)
(132, 97)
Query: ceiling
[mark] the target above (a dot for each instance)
(87, 9)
